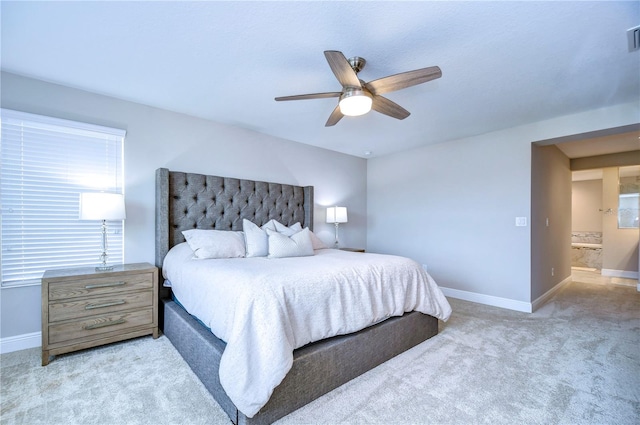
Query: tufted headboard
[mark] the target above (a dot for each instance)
(196, 201)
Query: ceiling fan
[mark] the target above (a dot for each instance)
(358, 97)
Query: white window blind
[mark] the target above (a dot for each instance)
(46, 164)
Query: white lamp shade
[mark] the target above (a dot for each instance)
(102, 206)
(337, 215)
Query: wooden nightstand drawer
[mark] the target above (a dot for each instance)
(77, 308)
(99, 286)
(74, 330)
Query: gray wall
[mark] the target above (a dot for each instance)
(158, 138)
(453, 205)
(550, 219)
(586, 205)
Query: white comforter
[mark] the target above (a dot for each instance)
(265, 308)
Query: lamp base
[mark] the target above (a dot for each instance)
(104, 268)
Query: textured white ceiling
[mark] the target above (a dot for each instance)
(503, 63)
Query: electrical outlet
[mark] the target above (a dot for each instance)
(553, 271)
(521, 221)
(547, 221)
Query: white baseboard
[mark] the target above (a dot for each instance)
(619, 273)
(20, 342)
(547, 295)
(488, 300)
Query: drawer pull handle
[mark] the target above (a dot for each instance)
(104, 285)
(104, 324)
(107, 304)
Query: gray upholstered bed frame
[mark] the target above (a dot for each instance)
(186, 201)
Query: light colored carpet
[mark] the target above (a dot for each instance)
(574, 361)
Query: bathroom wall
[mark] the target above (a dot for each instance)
(586, 203)
(619, 246)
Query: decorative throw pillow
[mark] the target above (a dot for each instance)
(315, 241)
(215, 243)
(255, 238)
(296, 245)
(256, 242)
(271, 224)
(287, 231)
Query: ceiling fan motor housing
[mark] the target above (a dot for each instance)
(357, 63)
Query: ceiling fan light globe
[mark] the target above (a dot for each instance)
(355, 104)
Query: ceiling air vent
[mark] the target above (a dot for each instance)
(633, 35)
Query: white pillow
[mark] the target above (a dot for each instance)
(287, 231)
(296, 245)
(295, 228)
(215, 243)
(271, 224)
(315, 241)
(256, 242)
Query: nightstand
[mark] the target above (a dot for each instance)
(84, 308)
(352, 249)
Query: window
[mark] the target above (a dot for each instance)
(46, 164)
(629, 197)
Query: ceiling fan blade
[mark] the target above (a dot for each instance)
(403, 80)
(335, 116)
(341, 68)
(387, 107)
(310, 96)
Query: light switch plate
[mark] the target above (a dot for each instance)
(521, 221)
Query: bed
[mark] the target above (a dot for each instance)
(187, 201)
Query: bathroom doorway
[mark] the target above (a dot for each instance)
(606, 150)
(586, 220)
(605, 221)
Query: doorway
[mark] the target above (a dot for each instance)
(551, 221)
(586, 220)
